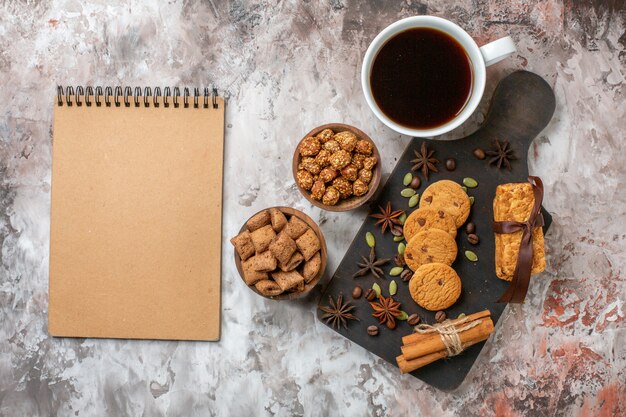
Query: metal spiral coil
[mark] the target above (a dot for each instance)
(88, 95)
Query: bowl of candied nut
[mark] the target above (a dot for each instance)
(337, 167)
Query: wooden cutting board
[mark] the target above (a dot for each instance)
(522, 105)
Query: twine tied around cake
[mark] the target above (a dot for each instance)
(521, 276)
(449, 333)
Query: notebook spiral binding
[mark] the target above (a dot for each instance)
(127, 96)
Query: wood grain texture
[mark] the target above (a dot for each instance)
(521, 107)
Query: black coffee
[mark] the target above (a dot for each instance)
(421, 78)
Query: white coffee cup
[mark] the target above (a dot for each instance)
(480, 58)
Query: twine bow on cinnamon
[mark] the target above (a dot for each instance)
(449, 333)
(521, 276)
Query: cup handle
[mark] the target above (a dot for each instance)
(496, 51)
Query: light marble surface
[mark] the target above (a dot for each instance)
(289, 67)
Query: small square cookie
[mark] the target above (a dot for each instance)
(295, 228)
(277, 219)
(283, 247)
(268, 288)
(308, 244)
(295, 261)
(243, 245)
(261, 238)
(250, 275)
(288, 280)
(258, 220)
(312, 267)
(263, 262)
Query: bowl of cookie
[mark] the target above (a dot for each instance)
(337, 167)
(280, 253)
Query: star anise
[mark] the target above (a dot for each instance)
(388, 218)
(425, 160)
(371, 265)
(386, 309)
(501, 154)
(338, 313)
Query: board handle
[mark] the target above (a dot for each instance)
(118, 96)
(522, 106)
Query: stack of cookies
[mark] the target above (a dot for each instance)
(430, 232)
(279, 254)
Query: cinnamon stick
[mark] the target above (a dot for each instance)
(410, 366)
(432, 343)
(407, 366)
(418, 337)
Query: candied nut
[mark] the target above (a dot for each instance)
(332, 146)
(310, 165)
(359, 188)
(305, 179)
(323, 158)
(364, 147)
(331, 196)
(350, 172)
(369, 162)
(357, 160)
(310, 146)
(347, 140)
(365, 175)
(328, 174)
(340, 159)
(318, 190)
(343, 186)
(325, 135)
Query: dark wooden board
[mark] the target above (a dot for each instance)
(521, 107)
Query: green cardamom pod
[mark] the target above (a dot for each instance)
(393, 288)
(395, 271)
(470, 182)
(403, 315)
(471, 255)
(376, 289)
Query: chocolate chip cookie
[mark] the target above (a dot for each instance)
(428, 246)
(447, 195)
(429, 218)
(435, 286)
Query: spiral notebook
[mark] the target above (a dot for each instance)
(136, 210)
